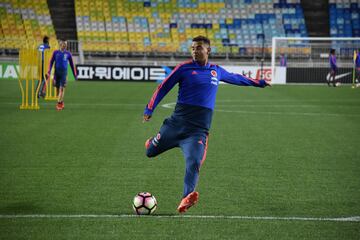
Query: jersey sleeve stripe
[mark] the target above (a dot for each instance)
(153, 98)
(252, 80)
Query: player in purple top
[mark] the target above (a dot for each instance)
(357, 68)
(61, 58)
(333, 69)
(283, 60)
(188, 127)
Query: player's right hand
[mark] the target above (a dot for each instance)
(146, 118)
(46, 75)
(268, 83)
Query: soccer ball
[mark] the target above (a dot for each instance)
(144, 203)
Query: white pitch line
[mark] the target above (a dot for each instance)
(257, 218)
(290, 113)
(328, 101)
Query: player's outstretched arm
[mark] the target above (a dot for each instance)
(241, 80)
(160, 93)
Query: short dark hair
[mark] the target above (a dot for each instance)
(332, 51)
(201, 39)
(46, 40)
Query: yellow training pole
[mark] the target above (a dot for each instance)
(39, 77)
(21, 59)
(28, 61)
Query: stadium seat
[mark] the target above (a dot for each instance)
(344, 18)
(169, 25)
(24, 22)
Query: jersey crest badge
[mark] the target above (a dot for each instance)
(214, 79)
(213, 73)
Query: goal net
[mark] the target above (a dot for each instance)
(306, 60)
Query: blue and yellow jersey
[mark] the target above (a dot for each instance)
(42, 47)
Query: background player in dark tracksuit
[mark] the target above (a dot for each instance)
(333, 68)
(42, 48)
(61, 58)
(190, 122)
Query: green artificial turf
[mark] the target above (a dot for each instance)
(285, 151)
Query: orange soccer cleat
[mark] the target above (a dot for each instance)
(58, 106)
(188, 201)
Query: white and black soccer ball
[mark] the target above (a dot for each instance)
(144, 203)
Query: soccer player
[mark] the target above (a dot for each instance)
(61, 58)
(188, 127)
(42, 48)
(333, 68)
(283, 60)
(357, 68)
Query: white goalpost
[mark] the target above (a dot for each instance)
(306, 60)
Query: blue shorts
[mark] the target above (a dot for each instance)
(179, 135)
(60, 79)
